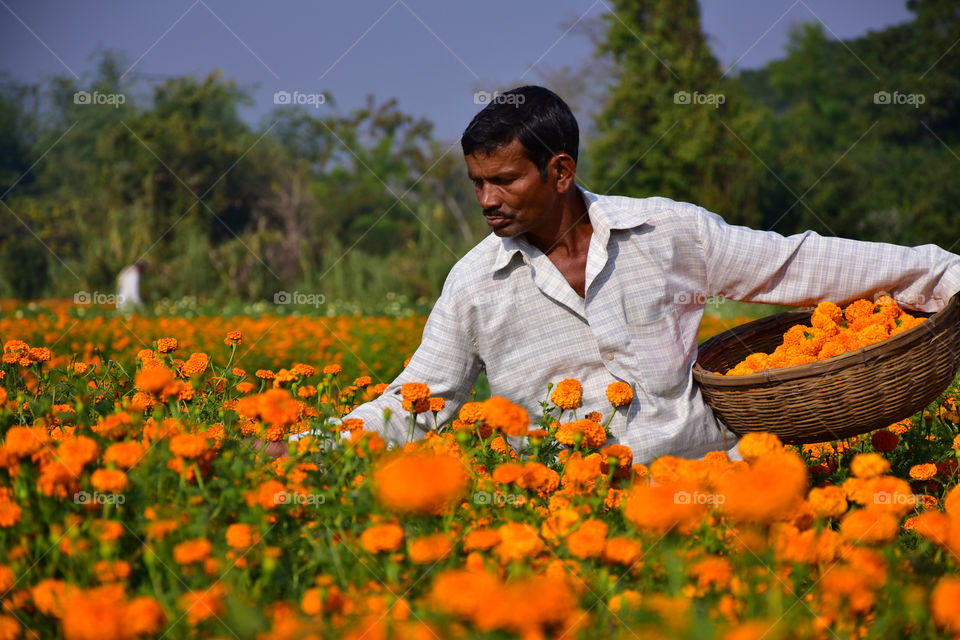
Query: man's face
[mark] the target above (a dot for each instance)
(515, 199)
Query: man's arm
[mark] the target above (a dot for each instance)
(806, 268)
(446, 361)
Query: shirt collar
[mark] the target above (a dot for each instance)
(603, 215)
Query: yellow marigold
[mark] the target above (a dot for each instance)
(196, 550)
(188, 445)
(567, 394)
(923, 471)
(195, 365)
(828, 502)
(381, 537)
(109, 480)
(619, 393)
(429, 549)
(242, 536)
(511, 419)
(588, 540)
(420, 482)
(234, 337)
(166, 345)
(869, 465)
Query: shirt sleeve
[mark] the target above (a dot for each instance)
(446, 361)
(806, 268)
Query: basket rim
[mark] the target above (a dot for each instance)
(829, 365)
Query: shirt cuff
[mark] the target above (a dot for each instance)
(315, 432)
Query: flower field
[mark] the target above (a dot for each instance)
(137, 501)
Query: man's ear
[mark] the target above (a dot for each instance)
(564, 167)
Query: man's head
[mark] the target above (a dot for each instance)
(537, 117)
(521, 153)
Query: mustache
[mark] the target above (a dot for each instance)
(495, 213)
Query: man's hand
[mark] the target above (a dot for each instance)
(273, 449)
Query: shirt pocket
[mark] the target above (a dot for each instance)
(660, 355)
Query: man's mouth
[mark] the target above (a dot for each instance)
(496, 219)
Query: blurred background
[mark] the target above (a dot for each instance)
(243, 150)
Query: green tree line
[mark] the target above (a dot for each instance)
(856, 138)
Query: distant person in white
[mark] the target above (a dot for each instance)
(128, 287)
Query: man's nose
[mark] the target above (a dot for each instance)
(487, 196)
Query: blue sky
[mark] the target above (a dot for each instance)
(431, 55)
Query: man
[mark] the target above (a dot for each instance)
(572, 284)
(128, 287)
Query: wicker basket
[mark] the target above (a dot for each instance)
(842, 396)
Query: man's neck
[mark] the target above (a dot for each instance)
(571, 231)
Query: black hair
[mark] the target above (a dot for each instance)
(536, 116)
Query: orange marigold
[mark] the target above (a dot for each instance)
(869, 526)
(923, 471)
(588, 540)
(109, 480)
(196, 550)
(188, 445)
(567, 394)
(381, 537)
(166, 345)
(420, 482)
(195, 365)
(517, 542)
(509, 418)
(587, 432)
(943, 604)
(828, 502)
(869, 465)
(242, 536)
(234, 337)
(429, 549)
(619, 393)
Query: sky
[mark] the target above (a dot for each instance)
(432, 55)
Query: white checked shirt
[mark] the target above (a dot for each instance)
(651, 265)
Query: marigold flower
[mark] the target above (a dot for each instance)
(381, 537)
(10, 513)
(234, 337)
(828, 502)
(869, 526)
(414, 391)
(188, 445)
(332, 369)
(933, 526)
(619, 393)
(40, 354)
(191, 551)
(472, 412)
(437, 404)
(25, 441)
(200, 605)
(869, 465)
(511, 419)
(712, 571)
(7, 578)
(753, 446)
(420, 482)
(517, 542)
(109, 480)
(195, 365)
(144, 616)
(167, 345)
(481, 539)
(923, 471)
(943, 604)
(264, 374)
(660, 508)
(588, 540)
(783, 477)
(242, 536)
(429, 549)
(621, 550)
(884, 440)
(567, 394)
(587, 432)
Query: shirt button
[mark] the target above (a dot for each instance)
(609, 356)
